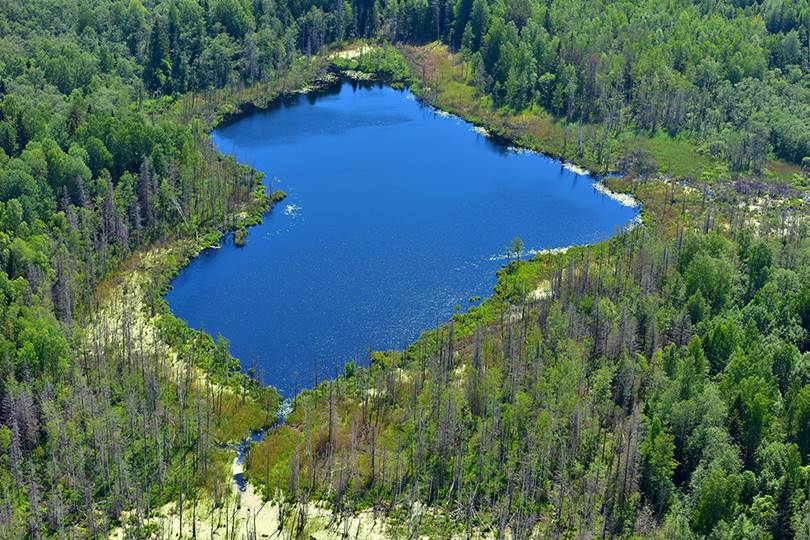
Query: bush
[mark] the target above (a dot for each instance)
(239, 236)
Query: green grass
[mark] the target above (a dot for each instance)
(269, 461)
(676, 156)
(239, 418)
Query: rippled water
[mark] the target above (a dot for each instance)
(395, 215)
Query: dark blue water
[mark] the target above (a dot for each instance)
(395, 214)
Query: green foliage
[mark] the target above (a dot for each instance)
(595, 386)
(669, 412)
(800, 421)
(717, 500)
(722, 339)
(96, 167)
(711, 277)
(274, 460)
(516, 247)
(239, 236)
(657, 455)
(232, 15)
(697, 307)
(385, 62)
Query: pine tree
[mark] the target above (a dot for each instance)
(157, 72)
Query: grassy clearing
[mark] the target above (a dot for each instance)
(239, 416)
(788, 172)
(676, 157)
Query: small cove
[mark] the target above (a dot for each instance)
(396, 214)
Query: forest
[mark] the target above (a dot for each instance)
(660, 387)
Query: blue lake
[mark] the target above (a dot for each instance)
(395, 214)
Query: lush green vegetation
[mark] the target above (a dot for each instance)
(657, 389)
(383, 62)
(726, 81)
(657, 384)
(448, 82)
(109, 404)
(731, 76)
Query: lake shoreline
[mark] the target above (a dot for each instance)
(322, 81)
(280, 142)
(213, 240)
(325, 81)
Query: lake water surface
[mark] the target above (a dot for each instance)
(395, 214)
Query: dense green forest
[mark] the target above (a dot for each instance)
(731, 75)
(690, 408)
(95, 418)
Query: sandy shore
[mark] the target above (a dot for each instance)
(576, 169)
(245, 515)
(352, 53)
(484, 132)
(621, 198)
